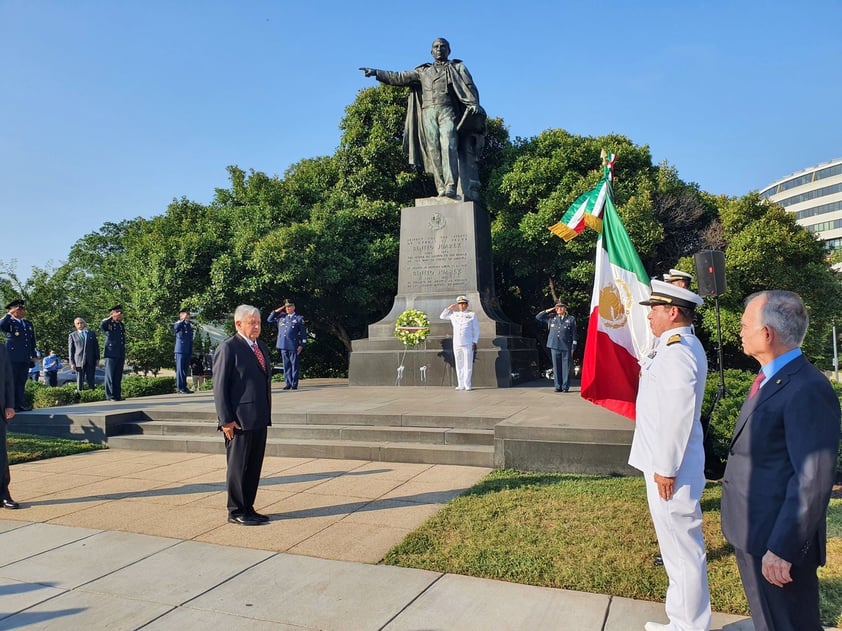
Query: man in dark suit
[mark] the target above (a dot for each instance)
(114, 353)
(183, 350)
(7, 408)
(561, 340)
(83, 351)
(242, 394)
(781, 468)
(20, 344)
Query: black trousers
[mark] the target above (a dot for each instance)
(86, 374)
(182, 369)
(20, 373)
(794, 607)
(5, 474)
(244, 455)
(114, 377)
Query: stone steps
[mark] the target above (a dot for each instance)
(424, 453)
(529, 428)
(362, 433)
(324, 436)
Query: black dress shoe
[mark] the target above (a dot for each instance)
(286, 387)
(261, 518)
(10, 503)
(24, 408)
(185, 392)
(244, 520)
(295, 387)
(558, 389)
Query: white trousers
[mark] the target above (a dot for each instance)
(463, 356)
(678, 524)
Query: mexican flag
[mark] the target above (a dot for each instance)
(618, 332)
(587, 208)
(581, 212)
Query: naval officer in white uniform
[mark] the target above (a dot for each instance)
(465, 338)
(667, 447)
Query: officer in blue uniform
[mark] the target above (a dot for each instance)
(183, 350)
(561, 341)
(20, 346)
(114, 352)
(292, 337)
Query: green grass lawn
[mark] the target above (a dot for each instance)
(26, 448)
(585, 533)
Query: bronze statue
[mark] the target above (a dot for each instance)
(445, 124)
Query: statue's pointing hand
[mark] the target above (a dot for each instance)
(369, 72)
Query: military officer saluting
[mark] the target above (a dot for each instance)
(465, 338)
(292, 337)
(183, 350)
(114, 353)
(561, 341)
(20, 346)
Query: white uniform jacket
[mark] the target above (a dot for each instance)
(465, 326)
(668, 432)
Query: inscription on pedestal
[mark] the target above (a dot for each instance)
(438, 250)
(436, 263)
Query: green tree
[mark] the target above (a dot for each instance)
(766, 249)
(536, 181)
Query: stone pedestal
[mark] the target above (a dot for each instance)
(445, 251)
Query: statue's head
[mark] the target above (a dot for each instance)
(441, 49)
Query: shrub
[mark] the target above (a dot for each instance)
(49, 397)
(724, 419)
(137, 386)
(30, 388)
(89, 396)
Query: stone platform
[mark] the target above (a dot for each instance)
(529, 427)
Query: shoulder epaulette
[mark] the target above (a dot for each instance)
(673, 339)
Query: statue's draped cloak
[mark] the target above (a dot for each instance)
(460, 83)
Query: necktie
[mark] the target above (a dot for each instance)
(84, 337)
(259, 355)
(755, 386)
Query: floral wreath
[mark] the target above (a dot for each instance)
(412, 327)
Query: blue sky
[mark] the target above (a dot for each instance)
(110, 109)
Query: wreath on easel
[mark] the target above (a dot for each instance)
(412, 327)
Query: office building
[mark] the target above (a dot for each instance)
(814, 196)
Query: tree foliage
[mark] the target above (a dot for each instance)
(326, 235)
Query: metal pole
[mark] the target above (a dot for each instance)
(719, 350)
(835, 354)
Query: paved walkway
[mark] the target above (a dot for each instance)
(120, 539)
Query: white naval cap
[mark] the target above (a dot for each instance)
(668, 294)
(677, 274)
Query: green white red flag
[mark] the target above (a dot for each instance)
(618, 332)
(587, 208)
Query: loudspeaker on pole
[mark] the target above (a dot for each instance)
(710, 272)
